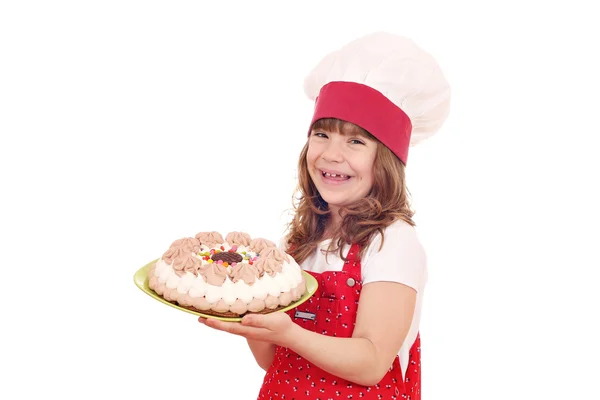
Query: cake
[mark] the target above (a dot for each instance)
(227, 277)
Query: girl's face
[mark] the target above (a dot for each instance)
(341, 166)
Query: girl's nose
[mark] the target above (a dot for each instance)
(333, 152)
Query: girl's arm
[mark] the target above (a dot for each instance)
(384, 316)
(383, 319)
(263, 352)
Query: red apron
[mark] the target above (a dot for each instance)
(332, 311)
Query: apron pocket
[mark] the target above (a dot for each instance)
(328, 310)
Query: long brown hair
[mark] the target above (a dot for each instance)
(388, 201)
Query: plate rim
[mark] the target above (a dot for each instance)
(140, 278)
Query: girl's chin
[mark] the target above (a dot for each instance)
(335, 202)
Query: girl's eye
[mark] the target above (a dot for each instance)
(356, 141)
(320, 134)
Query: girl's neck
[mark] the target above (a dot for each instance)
(334, 221)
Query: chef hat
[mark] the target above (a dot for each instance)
(385, 84)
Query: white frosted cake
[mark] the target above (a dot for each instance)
(227, 277)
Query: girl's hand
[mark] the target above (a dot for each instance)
(276, 327)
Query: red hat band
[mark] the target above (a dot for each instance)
(369, 109)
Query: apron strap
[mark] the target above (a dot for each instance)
(352, 263)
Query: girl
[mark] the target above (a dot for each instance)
(358, 335)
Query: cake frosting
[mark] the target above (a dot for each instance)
(228, 276)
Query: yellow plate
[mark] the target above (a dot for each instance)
(141, 280)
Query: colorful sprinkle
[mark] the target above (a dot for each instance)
(210, 261)
(225, 264)
(233, 264)
(222, 248)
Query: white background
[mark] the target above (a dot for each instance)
(126, 125)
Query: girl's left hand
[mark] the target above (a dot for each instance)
(276, 327)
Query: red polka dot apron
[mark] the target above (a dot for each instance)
(332, 311)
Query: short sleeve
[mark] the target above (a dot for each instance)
(401, 259)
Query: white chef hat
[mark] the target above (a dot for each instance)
(385, 84)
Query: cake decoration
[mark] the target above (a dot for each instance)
(227, 257)
(238, 238)
(188, 244)
(209, 239)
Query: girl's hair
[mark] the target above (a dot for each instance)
(388, 201)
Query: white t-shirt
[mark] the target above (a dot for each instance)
(401, 259)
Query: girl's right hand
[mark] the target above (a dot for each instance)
(276, 328)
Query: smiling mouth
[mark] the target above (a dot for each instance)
(339, 177)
